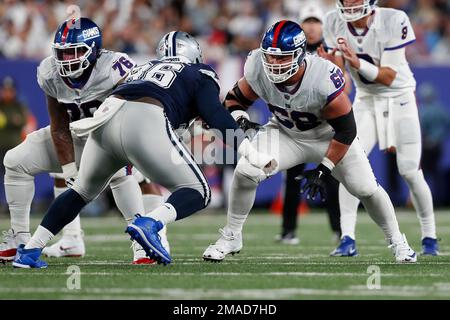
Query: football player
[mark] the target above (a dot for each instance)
(76, 79)
(371, 41)
(313, 122)
(139, 118)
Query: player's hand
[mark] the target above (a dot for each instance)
(348, 53)
(331, 56)
(70, 173)
(245, 124)
(314, 182)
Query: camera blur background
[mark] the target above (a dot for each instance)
(227, 31)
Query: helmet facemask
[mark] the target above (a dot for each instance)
(72, 59)
(280, 72)
(354, 13)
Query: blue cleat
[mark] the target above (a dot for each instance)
(347, 248)
(28, 258)
(430, 247)
(145, 231)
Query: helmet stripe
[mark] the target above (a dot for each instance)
(277, 33)
(166, 45)
(64, 35)
(174, 43)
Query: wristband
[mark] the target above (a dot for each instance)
(328, 163)
(69, 170)
(368, 70)
(236, 114)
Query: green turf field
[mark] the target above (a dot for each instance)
(263, 269)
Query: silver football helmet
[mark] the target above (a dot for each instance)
(179, 43)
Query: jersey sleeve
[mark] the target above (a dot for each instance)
(208, 72)
(252, 68)
(121, 66)
(44, 78)
(328, 35)
(401, 31)
(333, 84)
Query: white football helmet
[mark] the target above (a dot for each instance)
(355, 12)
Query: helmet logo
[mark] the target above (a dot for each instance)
(91, 33)
(298, 39)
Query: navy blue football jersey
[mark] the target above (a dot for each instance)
(182, 88)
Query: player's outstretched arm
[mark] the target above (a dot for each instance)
(62, 138)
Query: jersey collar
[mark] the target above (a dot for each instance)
(353, 31)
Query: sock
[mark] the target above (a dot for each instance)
(165, 213)
(63, 210)
(128, 196)
(348, 205)
(19, 190)
(423, 203)
(381, 210)
(152, 201)
(73, 228)
(242, 197)
(40, 238)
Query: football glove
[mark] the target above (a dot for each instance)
(70, 173)
(314, 182)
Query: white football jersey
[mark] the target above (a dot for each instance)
(390, 30)
(110, 68)
(298, 111)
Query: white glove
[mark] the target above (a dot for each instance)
(70, 173)
(263, 161)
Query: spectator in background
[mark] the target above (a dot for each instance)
(13, 118)
(435, 129)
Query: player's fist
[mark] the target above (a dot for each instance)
(314, 182)
(245, 124)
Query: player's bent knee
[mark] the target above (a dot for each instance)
(116, 182)
(413, 177)
(248, 175)
(364, 190)
(14, 169)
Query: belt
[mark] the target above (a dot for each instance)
(148, 100)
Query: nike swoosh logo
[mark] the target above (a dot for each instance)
(320, 174)
(332, 70)
(403, 103)
(352, 251)
(65, 249)
(403, 22)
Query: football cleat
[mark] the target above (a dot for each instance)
(11, 241)
(228, 243)
(28, 258)
(346, 248)
(145, 231)
(287, 238)
(139, 254)
(430, 247)
(403, 252)
(67, 246)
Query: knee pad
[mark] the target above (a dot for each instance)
(14, 171)
(412, 177)
(117, 181)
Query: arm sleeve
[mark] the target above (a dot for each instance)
(215, 115)
(333, 84)
(43, 80)
(121, 67)
(393, 59)
(401, 32)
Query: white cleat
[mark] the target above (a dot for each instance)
(67, 246)
(139, 254)
(11, 241)
(403, 252)
(228, 243)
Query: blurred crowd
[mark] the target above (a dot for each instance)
(225, 27)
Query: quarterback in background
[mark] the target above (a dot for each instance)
(372, 41)
(313, 122)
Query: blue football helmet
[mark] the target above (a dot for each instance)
(355, 12)
(179, 44)
(76, 46)
(284, 39)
